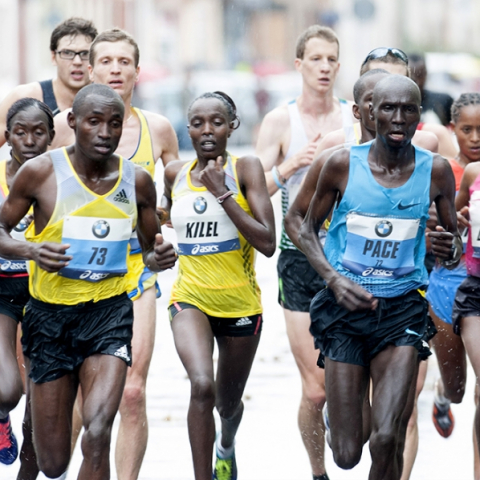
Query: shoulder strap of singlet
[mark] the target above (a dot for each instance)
(3, 178)
(145, 140)
(298, 137)
(49, 96)
(347, 117)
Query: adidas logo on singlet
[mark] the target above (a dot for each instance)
(243, 321)
(121, 196)
(122, 352)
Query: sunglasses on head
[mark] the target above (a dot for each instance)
(382, 52)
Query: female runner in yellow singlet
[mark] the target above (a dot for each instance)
(221, 211)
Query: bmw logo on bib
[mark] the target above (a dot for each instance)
(383, 229)
(200, 205)
(101, 228)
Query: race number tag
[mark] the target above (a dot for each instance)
(98, 247)
(202, 226)
(15, 266)
(474, 209)
(380, 247)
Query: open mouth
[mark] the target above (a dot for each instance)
(103, 149)
(208, 145)
(397, 136)
(77, 74)
(115, 84)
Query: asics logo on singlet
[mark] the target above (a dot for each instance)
(243, 321)
(204, 249)
(121, 197)
(383, 229)
(8, 265)
(101, 228)
(21, 227)
(93, 276)
(200, 205)
(122, 352)
(377, 272)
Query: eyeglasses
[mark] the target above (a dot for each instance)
(382, 52)
(71, 54)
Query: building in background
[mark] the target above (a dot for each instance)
(187, 45)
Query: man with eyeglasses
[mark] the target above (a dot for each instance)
(69, 44)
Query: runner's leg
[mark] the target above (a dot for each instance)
(310, 418)
(194, 342)
(133, 430)
(392, 405)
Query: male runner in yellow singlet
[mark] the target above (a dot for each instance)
(79, 244)
(146, 137)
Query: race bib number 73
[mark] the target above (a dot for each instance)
(98, 247)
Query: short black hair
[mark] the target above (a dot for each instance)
(464, 100)
(359, 87)
(72, 26)
(95, 89)
(26, 103)
(226, 100)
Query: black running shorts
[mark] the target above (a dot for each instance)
(357, 337)
(58, 338)
(13, 296)
(467, 301)
(298, 281)
(224, 327)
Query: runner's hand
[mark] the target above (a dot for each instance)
(164, 253)
(304, 157)
(50, 256)
(442, 243)
(463, 217)
(164, 217)
(213, 177)
(352, 296)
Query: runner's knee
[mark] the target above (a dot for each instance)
(133, 398)
(314, 395)
(455, 391)
(10, 395)
(203, 391)
(54, 465)
(347, 453)
(383, 443)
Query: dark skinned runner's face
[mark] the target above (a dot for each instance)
(98, 127)
(396, 112)
(209, 128)
(29, 135)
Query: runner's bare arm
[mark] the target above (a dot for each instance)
(298, 210)
(271, 145)
(331, 183)
(64, 135)
(445, 236)
(258, 230)
(164, 138)
(158, 254)
(23, 193)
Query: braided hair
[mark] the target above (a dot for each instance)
(227, 101)
(24, 104)
(464, 100)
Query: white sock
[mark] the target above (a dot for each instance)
(441, 400)
(223, 452)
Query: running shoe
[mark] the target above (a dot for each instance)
(225, 468)
(8, 443)
(326, 422)
(443, 419)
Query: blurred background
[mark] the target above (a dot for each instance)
(246, 47)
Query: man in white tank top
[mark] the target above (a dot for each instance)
(287, 141)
